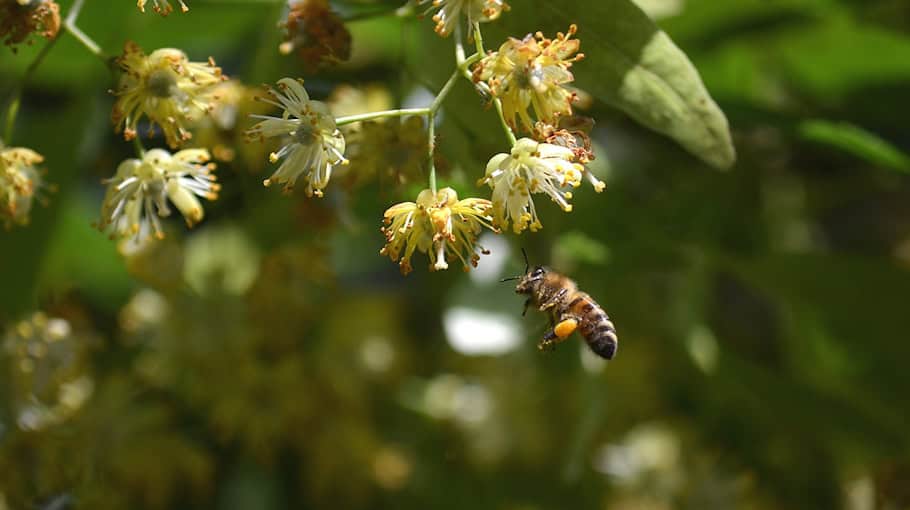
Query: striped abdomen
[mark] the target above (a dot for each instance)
(594, 326)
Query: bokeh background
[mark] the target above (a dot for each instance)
(271, 358)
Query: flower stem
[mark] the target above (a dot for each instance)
(16, 98)
(431, 125)
(69, 23)
(464, 62)
(502, 120)
(140, 149)
(401, 112)
(478, 38)
(431, 148)
(478, 43)
(440, 97)
(86, 41)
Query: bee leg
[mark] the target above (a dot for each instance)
(558, 333)
(549, 341)
(555, 298)
(527, 304)
(566, 327)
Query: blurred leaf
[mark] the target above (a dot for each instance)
(709, 24)
(831, 60)
(857, 141)
(634, 66)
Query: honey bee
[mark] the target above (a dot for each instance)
(569, 308)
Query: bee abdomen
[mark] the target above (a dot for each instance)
(596, 327)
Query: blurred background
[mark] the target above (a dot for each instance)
(270, 357)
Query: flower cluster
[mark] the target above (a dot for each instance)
(528, 78)
(436, 224)
(162, 7)
(166, 87)
(21, 18)
(532, 73)
(316, 34)
(450, 11)
(20, 181)
(137, 195)
(314, 145)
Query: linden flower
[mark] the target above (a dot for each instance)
(19, 184)
(449, 13)
(532, 167)
(530, 73)
(162, 7)
(166, 87)
(316, 34)
(573, 134)
(137, 195)
(21, 18)
(315, 144)
(436, 225)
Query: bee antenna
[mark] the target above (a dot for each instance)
(527, 265)
(509, 279)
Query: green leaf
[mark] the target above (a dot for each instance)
(634, 66)
(836, 62)
(856, 141)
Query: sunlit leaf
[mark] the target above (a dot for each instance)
(634, 66)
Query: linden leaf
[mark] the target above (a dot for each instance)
(632, 65)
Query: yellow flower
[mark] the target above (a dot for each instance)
(437, 225)
(162, 7)
(21, 18)
(450, 11)
(166, 87)
(20, 181)
(316, 34)
(573, 134)
(314, 144)
(137, 195)
(531, 73)
(532, 167)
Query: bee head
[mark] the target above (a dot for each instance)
(528, 282)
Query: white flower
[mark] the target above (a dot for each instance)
(447, 17)
(314, 145)
(137, 195)
(531, 167)
(166, 87)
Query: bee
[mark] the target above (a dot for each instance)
(569, 309)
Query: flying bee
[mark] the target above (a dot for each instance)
(569, 308)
